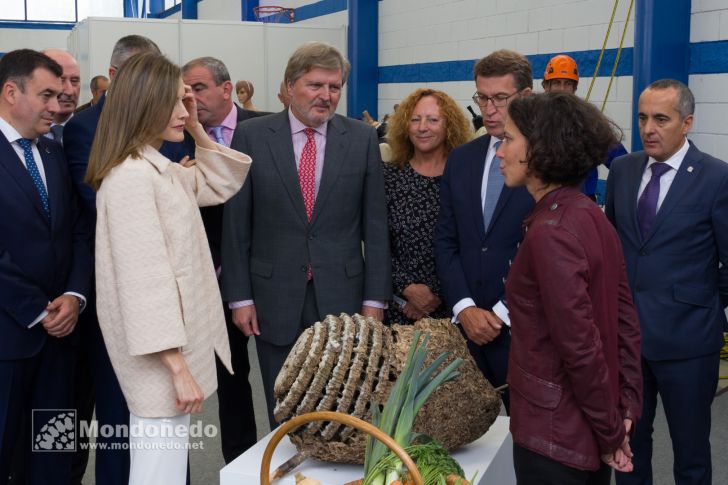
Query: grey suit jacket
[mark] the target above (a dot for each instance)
(268, 241)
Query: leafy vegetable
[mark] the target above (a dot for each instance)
(410, 392)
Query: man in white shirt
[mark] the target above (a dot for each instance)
(669, 204)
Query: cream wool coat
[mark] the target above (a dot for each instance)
(155, 282)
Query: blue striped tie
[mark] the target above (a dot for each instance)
(30, 164)
(493, 189)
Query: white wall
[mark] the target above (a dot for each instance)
(418, 31)
(38, 39)
(709, 22)
(229, 10)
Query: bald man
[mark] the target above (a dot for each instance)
(70, 91)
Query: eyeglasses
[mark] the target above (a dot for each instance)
(499, 100)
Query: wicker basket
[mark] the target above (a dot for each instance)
(339, 418)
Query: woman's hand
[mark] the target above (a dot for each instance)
(191, 105)
(412, 312)
(187, 162)
(422, 297)
(189, 395)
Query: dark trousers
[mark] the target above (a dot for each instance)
(271, 357)
(687, 388)
(28, 387)
(97, 387)
(535, 469)
(235, 397)
(492, 360)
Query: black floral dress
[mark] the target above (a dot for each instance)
(413, 206)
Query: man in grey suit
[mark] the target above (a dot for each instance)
(293, 236)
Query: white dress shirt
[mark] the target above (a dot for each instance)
(666, 180)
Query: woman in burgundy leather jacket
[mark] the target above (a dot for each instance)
(574, 367)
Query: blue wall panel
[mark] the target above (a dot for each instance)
(363, 92)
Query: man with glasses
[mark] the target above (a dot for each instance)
(480, 219)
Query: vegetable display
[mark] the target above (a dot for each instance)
(350, 364)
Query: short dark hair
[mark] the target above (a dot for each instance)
(19, 65)
(685, 99)
(95, 81)
(567, 136)
(503, 62)
(129, 45)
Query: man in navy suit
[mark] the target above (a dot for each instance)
(102, 389)
(219, 115)
(480, 219)
(45, 264)
(669, 204)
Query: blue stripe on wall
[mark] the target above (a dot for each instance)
(22, 24)
(463, 70)
(705, 58)
(318, 9)
(709, 57)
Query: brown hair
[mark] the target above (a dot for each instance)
(126, 127)
(457, 126)
(504, 62)
(312, 55)
(248, 87)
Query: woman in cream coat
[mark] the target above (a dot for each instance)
(157, 294)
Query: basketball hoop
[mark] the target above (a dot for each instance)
(273, 15)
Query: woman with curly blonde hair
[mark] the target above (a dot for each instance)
(425, 127)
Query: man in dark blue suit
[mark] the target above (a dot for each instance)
(45, 268)
(112, 465)
(480, 219)
(669, 204)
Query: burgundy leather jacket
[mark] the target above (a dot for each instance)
(574, 366)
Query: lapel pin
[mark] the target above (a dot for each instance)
(690, 168)
(48, 151)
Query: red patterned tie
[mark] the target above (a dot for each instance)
(307, 178)
(307, 172)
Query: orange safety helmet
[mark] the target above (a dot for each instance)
(561, 67)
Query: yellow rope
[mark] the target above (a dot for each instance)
(604, 47)
(619, 52)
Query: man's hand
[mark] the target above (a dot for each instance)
(246, 320)
(422, 297)
(481, 326)
(62, 316)
(375, 313)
